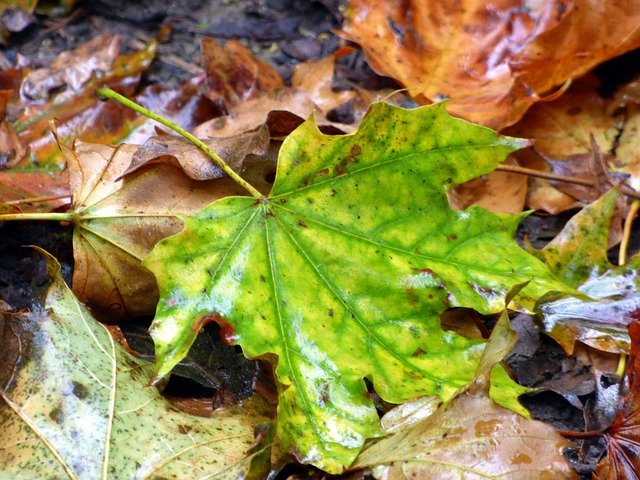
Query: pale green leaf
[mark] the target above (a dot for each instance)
(75, 405)
(341, 272)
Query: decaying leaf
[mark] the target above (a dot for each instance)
(234, 74)
(578, 255)
(75, 405)
(565, 132)
(118, 221)
(471, 437)
(341, 272)
(78, 114)
(623, 436)
(492, 59)
(193, 161)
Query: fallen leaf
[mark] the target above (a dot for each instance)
(500, 192)
(118, 221)
(193, 161)
(578, 255)
(627, 159)
(78, 114)
(565, 131)
(492, 60)
(75, 405)
(315, 78)
(341, 272)
(472, 437)
(72, 69)
(623, 436)
(234, 74)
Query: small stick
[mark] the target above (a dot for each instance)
(622, 259)
(107, 93)
(551, 176)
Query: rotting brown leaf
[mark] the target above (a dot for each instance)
(493, 60)
(234, 74)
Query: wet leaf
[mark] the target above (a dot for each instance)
(472, 437)
(341, 272)
(623, 436)
(193, 161)
(75, 405)
(234, 74)
(77, 113)
(493, 60)
(118, 221)
(578, 255)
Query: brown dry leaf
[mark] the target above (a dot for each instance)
(290, 106)
(118, 221)
(193, 161)
(72, 69)
(79, 114)
(493, 60)
(314, 77)
(234, 74)
(284, 108)
(562, 129)
(623, 436)
(501, 192)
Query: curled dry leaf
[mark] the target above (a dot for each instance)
(578, 255)
(623, 436)
(72, 69)
(75, 405)
(493, 60)
(193, 161)
(118, 221)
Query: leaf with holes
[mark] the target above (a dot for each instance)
(341, 272)
(75, 405)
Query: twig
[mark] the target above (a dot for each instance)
(560, 178)
(107, 93)
(622, 259)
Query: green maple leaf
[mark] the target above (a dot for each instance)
(341, 272)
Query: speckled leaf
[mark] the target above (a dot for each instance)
(470, 437)
(341, 272)
(76, 405)
(578, 255)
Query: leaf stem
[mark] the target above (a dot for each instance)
(573, 435)
(559, 178)
(62, 217)
(106, 93)
(37, 199)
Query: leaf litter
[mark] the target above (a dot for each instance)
(253, 96)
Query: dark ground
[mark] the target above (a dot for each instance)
(282, 32)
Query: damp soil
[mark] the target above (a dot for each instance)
(283, 33)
